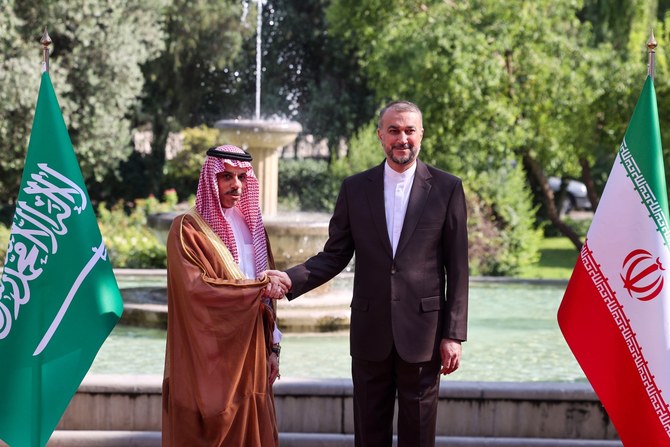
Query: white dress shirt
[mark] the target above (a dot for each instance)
(243, 240)
(397, 187)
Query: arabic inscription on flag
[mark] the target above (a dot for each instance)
(37, 225)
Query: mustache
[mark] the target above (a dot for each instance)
(233, 192)
(401, 146)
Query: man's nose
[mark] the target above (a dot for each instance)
(237, 183)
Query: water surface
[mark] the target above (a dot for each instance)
(513, 336)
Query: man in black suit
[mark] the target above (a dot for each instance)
(406, 223)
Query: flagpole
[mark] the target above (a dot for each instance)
(36, 435)
(651, 45)
(45, 41)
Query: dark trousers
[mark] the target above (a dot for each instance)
(375, 387)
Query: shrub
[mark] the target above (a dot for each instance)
(182, 172)
(313, 185)
(484, 238)
(507, 205)
(364, 152)
(306, 185)
(581, 226)
(130, 243)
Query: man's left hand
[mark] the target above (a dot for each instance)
(450, 352)
(273, 368)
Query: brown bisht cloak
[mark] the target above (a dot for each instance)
(215, 387)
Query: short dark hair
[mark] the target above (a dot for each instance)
(398, 106)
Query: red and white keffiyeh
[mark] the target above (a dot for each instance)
(208, 205)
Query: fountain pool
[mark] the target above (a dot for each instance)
(513, 337)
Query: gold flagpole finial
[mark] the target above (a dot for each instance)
(45, 41)
(651, 45)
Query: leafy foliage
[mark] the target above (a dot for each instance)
(364, 152)
(458, 61)
(306, 185)
(19, 80)
(307, 75)
(517, 240)
(130, 243)
(313, 185)
(95, 68)
(551, 84)
(182, 172)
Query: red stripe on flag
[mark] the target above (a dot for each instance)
(599, 346)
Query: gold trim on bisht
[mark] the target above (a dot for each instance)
(232, 269)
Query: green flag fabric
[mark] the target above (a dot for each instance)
(58, 295)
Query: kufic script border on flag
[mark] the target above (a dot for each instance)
(645, 191)
(623, 323)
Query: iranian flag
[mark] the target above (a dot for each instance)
(615, 314)
(58, 296)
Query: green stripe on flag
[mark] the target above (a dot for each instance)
(646, 168)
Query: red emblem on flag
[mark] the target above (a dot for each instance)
(643, 275)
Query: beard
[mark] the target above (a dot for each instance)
(404, 159)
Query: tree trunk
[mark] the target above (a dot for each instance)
(156, 159)
(537, 174)
(588, 181)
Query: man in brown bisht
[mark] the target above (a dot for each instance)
(222, 343)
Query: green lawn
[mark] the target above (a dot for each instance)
(557, 259)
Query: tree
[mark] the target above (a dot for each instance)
(498, 82)
(555, 77)
(622, 27)
(98, 47)
(19, 83)
(445, 57)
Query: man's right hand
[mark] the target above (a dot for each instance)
(275, 288)
(281, 277)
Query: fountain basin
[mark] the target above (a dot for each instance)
(258, 133)
(294, 237)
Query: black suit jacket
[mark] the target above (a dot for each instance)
(411, 300)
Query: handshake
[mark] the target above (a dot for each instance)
(279, 284)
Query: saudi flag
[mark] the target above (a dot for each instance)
(58, 296)
(615, 314)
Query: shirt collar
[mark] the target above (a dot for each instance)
(399, 176)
